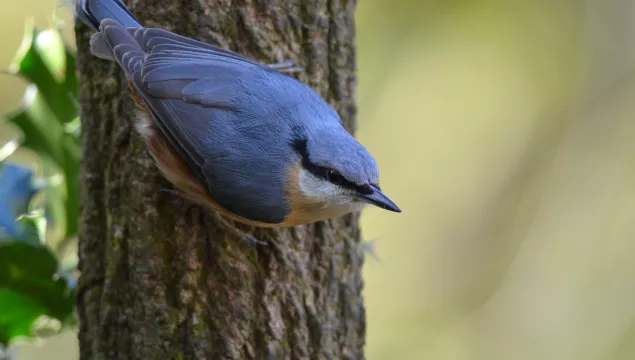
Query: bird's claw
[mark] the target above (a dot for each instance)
(170, 191)
(286, 66)
(173, 192)
(282, 65)
(292, 69)
(247, 239)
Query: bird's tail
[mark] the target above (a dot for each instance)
(92, 12)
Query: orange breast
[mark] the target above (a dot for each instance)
(174, 167)
(179, 174)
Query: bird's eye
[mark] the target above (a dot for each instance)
(334, 177)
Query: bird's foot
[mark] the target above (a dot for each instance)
(286, 66)
(176, 195)
(171, 192)
(247, 239)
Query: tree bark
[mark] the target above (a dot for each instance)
(160, 280)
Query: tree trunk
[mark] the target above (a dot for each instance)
(160, 280)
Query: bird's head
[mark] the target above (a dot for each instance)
(335, 174)
(281, 157)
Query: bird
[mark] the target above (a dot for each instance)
(233, 134)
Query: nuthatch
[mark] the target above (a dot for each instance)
(239, 136)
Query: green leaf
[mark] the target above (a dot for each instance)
(7, 149)
(34, 225)
(17, 188)
(30, 288)
(21, 314)
(49, 119)
(44, 60)
(41, 129)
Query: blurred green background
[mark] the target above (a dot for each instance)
(505, 131)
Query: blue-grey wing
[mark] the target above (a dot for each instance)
(185, 83)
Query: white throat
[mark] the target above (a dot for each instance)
(333, 197)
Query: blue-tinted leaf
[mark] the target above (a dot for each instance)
(16, 191)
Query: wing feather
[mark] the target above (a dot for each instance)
(185, 83)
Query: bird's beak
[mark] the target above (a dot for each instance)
(377, 198)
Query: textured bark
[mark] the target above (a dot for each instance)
(160, 280)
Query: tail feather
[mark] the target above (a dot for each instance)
(100, 47)
(123, 44)
(92, 12)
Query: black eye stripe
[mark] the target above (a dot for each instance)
(300, 146)
(327, 174)
(365, 190)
